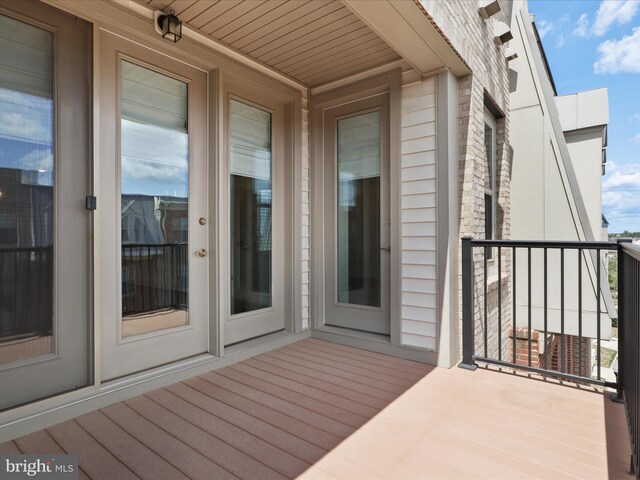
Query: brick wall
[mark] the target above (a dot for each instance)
(473, 38)
(553, 357)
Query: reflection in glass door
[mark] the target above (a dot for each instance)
(154, 200)
(358, 209)
(250, 165)
(26, 192)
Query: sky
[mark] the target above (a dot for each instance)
(592, 44)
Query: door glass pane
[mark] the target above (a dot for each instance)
(154, 200)
(358, 210)
(26, 191)
(250, 166)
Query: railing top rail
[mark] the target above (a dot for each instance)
(153, 245)
(36, 248)
(631, 250)
(546, 244)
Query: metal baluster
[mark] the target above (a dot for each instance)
(546, 313)
(529, 305)
(513, 313)
(598, 312)
(486, 323)
(499, 303)
(562, 310)
(580, 312)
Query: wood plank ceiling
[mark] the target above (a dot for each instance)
(312, 41)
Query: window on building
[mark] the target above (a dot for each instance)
(489, 178)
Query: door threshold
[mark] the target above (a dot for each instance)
(350, 332)
(373, 342)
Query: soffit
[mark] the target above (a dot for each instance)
(313, 41)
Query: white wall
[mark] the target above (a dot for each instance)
(549, 199)
(418, 204)
(585, 148)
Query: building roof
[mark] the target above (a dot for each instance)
(583, 109)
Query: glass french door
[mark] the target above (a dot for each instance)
(357, 216)
(255, 193)
(44, 227)
(155, 177)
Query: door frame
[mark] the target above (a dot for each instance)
(118, 49)
(339, 312)
(286, 129)
(386, 83)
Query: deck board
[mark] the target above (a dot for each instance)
(279, 460)
(324, 425)
(41, 441)
(98, 462)
(319, 410)
(230, 458)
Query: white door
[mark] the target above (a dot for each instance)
(153, 208)
(357, 215)
(44, 225)
(254, 184)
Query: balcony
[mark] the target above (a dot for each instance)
(316, 409)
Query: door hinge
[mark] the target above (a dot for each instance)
(91, 202)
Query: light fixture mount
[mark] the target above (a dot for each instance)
(168, 25)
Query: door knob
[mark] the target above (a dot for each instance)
(201, 253)
(385, 249)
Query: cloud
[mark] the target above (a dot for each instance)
(636, 138)
(544, 27)
(621, 196)
(582, 26)
(623, 179)
(560, 42)
(620, 55)
(613, 11)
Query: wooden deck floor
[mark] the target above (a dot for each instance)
(321, 410)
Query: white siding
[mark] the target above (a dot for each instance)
(418, 189)
(305, 221)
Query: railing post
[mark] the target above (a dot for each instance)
(467, 305)
(619, 395)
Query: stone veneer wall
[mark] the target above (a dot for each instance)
(472, 37)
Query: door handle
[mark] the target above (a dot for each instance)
(201, 253)
(386, 249)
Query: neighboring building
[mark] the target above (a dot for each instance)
(559, 153)
(317, 164)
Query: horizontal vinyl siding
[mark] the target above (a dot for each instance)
(305, 220)
(418, 189)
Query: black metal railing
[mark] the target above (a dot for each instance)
(476, 324)
(26, 292)
(547, 268)
(629, 346)
(154, 277)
